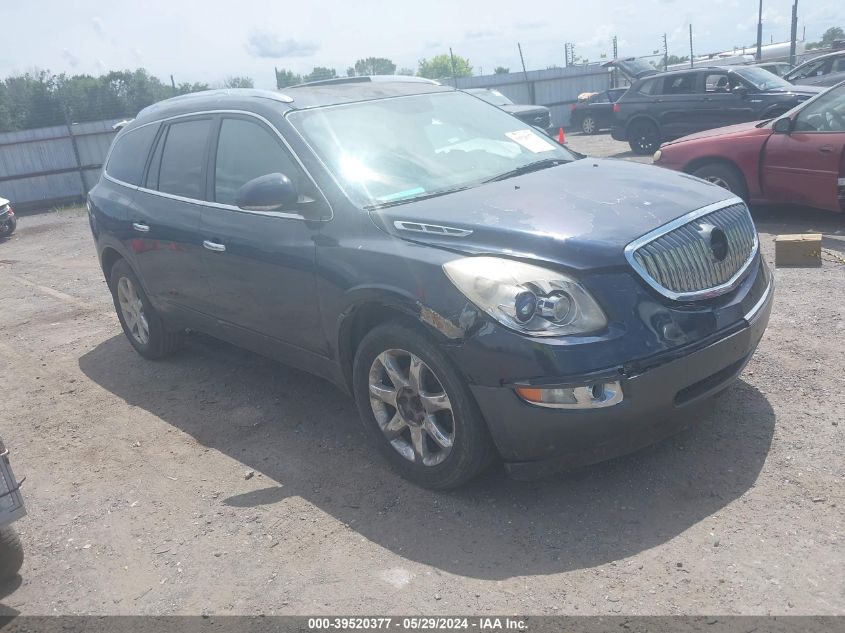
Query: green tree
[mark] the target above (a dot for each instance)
(285, 78)
(674, 59)
(318, 73)
(828, 37)
(501, 70)
(238, 82)
(405, 71)
(440, 66)
(374, 66)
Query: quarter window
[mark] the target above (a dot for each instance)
(126, 162)
(183, 158)
(247, 150)
(650, 87)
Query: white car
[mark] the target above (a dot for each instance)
(8, 221)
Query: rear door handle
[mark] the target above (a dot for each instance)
(827, 149)
(214, 246)
(140, 227)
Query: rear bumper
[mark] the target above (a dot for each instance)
(658, 402)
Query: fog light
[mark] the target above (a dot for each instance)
(593, 396)
(657, 156)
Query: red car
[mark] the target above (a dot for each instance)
(797, 158)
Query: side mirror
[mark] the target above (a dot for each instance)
(267, 193)
(740, 90)
(782, 125)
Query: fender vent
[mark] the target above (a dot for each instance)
(431, 229)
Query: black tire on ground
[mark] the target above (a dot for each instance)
(589, 125)
(724, 175)
(162, 341)
(472, 450)
(11, 554)
(8, 227)
(643, 137)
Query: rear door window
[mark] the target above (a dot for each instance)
(679, 84)
(129, 154)
(650, 87)
(181, 172)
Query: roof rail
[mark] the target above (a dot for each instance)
(368, 79)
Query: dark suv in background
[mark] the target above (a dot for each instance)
(661, 107)
(478, 288)
(595, 113)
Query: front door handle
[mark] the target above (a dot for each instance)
(140, 227)
(214, 246)
(827, 149)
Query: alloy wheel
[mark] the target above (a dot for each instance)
(411, 407)
(716, 180)
(588, 125)
(132, 309)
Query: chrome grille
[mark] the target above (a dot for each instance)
(700, 255)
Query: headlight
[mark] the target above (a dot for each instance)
(526, 298)
(657, 155)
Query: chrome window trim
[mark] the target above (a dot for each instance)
(217, 205)
(707, 293)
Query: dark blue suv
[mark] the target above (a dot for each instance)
(480, 290)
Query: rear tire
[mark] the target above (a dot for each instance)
(725, 176)
(11, 554)
(8, 227)
(142, 325)
(589, 126)
(383, 365)
(643, 137)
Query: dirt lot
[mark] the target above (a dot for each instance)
(220, 482)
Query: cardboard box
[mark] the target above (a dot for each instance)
(798, 250)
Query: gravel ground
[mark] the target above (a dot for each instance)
(218, 481)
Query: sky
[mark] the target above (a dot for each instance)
(210, 40)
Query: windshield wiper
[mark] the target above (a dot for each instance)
(537, 165)
(421, 196)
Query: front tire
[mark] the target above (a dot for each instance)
(724, 175)
(11, 554)
(142, 325)
(418, 409)
(644, 137)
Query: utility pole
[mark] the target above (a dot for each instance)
(454, 74)
(173, 84)
(614, 78)
(691, 54)
(760, 33)
(794, 32)
(566, 54)
(525, 74)
(665, 52)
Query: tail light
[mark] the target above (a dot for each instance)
(616, 108)
(573, 107)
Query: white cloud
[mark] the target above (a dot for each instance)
(269, 44)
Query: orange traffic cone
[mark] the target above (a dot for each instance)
(561, 137)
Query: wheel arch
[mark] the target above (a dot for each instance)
(699, 162)
(643, 116)
(372, 310)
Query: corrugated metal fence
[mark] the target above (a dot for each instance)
(555, 88)
(49, 166)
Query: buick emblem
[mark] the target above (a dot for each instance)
(716, 239)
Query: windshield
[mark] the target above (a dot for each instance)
(394, 150)
(493, 96)
(762, 79)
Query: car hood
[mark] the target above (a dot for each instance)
(741, 129)
(580, 215)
